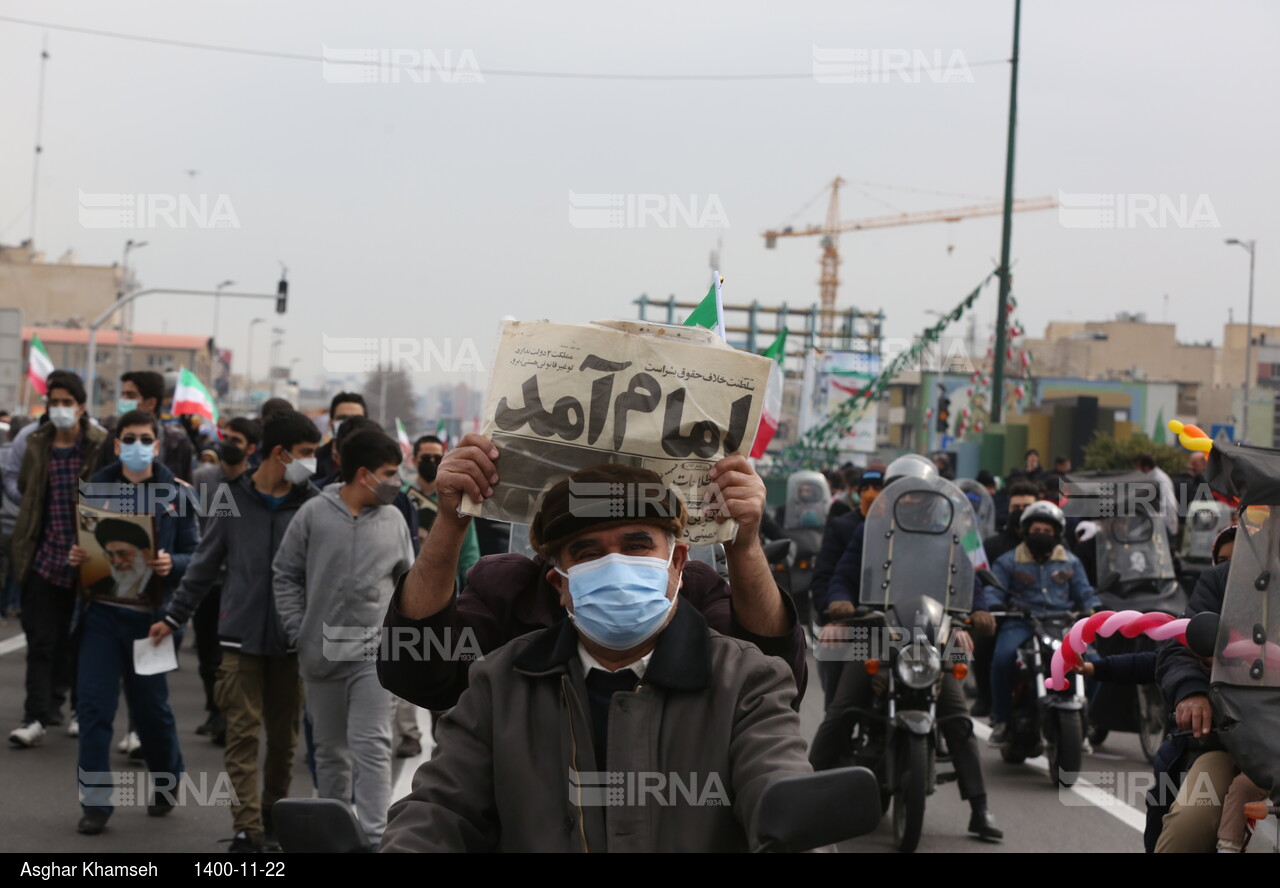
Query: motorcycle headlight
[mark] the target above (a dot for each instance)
(919, 665)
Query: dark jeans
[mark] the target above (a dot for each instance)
(854, 691)
(1003, 663)
(208, 651)
(46, 619)
(106, 655)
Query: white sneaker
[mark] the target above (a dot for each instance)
(29, 734)
(130, 744)
(73, 726)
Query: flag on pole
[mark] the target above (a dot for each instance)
(972, 544)
(771, 410)
(191, 397)
(39, 366)
(710, 311)
(403, 437)
(442, 432)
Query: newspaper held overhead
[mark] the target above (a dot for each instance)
(563, 397)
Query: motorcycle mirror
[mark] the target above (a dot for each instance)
(1202, 634)
(811, 810)
(318, 825)
(990, 579)
(1110, 581)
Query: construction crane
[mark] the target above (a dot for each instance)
(831, 230)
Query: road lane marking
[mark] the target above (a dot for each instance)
(409, 766)
(17, 643)
(1118, 809)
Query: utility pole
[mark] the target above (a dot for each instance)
(1002, 310)
(1249, 245)
(35, 167)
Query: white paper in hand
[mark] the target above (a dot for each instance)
(151, 659)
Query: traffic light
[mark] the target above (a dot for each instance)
(944, 411)
(282, 296)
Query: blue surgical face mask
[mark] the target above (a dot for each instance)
(126, 405)
(619, 601)
(137, 456)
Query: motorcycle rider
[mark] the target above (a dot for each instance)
(854, 688)
(1020, 494)
(834, 541)
(1040, 576)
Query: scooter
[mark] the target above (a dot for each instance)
(1045, 722)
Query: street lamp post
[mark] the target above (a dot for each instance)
(1248, 345)
(123, 303)
(272, 359)
(217, 305)
(248, 373)
(129, 246)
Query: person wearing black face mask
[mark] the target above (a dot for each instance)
(1041, 576)
(240, 442)
(1020, 495)
(427, 452)
(1006, 539)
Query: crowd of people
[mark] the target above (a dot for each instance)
(607, 650)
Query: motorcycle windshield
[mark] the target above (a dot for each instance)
(921, 541)
(1248, 646)
(984, 506)
(1205, 520)
(808, 499)
(1134, 546)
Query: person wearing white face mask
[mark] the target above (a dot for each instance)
(634, 683)
(258, 686)
(59, 454)
(120, 608)
(333, 577)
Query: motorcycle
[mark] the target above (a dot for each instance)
(915, 575)
(1045, 722)
(796, 813)
(803, 519)
(1205, 520)
(1130, 552)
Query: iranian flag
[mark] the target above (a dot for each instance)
(38, 365)
(972, 544)
(191, 397)
(710, 311)
(772, 409)
(442, 432)
(402, 435)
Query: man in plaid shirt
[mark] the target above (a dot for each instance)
(60, 453)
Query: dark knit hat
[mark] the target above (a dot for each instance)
(601, 496)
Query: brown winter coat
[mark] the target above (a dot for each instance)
(33, 481)
(709, 726)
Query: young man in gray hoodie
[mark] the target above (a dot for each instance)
(333, 577)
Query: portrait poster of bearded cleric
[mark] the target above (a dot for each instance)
(119, 547)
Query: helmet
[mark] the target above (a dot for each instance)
(1043, 511)
(912, 465)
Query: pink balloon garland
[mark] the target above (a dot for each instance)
(1130, 624)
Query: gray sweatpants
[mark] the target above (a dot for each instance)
(351, 725)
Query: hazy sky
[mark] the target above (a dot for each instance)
(433, 209)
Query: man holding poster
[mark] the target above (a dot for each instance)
(139, 522)
(665, 399)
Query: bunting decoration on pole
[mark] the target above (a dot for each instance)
(818, 446)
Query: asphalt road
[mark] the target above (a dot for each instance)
(41, 809)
